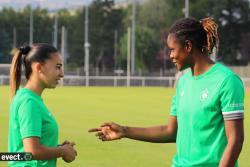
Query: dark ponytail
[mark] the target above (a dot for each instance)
(16, 69)
(25, 56)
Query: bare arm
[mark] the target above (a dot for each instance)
(41, 152)
(235, 136)
(157, 134)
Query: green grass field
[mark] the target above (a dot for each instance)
(77, 109)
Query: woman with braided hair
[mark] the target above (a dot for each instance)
(32, 128)
(206, 116)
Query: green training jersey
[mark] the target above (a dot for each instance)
(201, 105)
(29, 117)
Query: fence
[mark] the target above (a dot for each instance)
(108, 81)
(119, 81)
(137, 81)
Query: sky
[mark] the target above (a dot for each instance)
(50, 4)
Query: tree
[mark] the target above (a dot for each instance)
(104, 19)
(5, 47)
(234, 23)
(74, 25)
(146, 48)
(153, 20)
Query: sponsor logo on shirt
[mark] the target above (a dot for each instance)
(204, 95)
(236, 105)
(182, 94)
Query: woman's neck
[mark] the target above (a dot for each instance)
(201, 64)
(35, 86)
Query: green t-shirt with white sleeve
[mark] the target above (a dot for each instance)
(201, 105)
(29, 117)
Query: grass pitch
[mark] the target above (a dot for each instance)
(78, 109)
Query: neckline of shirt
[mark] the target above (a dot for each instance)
(31, 92)
(211, 69)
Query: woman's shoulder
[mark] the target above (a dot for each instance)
(24, 96)
(225, 69)
(224, 72)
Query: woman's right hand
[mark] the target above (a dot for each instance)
(68, 152)
(109, 131)
(68, 142)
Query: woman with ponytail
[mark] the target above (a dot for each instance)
(32, 128)
(207, 112)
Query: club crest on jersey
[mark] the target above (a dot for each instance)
(204, 95)
(182, 94)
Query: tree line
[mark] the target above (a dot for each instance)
(108, 25)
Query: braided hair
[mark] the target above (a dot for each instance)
(203, 34)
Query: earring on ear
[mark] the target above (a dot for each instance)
(203, 49)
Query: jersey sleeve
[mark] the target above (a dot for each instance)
(173, 111)
(30, 119)
(232, 98)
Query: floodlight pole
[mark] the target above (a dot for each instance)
(86, 47)
(186, 8)
(115, 49)
(133, 38)
(128, 57)
(31, 27)
(63, 50)
(55, 30)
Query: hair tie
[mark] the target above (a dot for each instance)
(24, 50)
